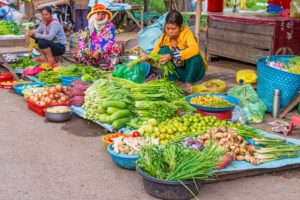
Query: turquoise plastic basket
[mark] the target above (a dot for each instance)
(123, 160)
(269, 79)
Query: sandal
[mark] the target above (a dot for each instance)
(40, 59)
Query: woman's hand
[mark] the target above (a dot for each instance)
(29, 34)
(144, 57)
(96, 54)
(165, 58)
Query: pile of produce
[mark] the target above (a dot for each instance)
(210, 101)
(131, 145)
(53, 77)
(77, 92)
(175, 162)
(293, 66)
(24, 63)
(50, 96)
(111, 137)
(108, 102)
(9, 28)
(179, 128)
(160, 99)
(233, 143)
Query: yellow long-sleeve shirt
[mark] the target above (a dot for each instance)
(185, 41)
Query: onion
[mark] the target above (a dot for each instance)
(59, 88)
(46, 93)
(53, 102)
(56, 96)
(48, 101)
(65, 89)
(59, 101)
(35, 99)
(51, 96)
(63, 99)
(53, 91)
(42, 103)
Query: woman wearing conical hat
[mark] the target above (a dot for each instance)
(97, 45)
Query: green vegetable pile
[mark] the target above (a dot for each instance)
(107, 102)
(53, 77)
(174, 162)
(24, 63)
(9, 28)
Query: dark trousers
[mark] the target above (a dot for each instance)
(80, 19)
(57, 49)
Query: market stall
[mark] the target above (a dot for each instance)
(248, 37)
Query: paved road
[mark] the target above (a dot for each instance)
(42, 160)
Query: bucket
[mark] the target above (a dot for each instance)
(215, 6)
(246, 77)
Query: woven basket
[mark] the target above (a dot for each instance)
(270, 78)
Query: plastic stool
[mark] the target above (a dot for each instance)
(294, 121)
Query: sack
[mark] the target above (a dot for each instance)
(253, 107)
(295, 9)
(135, 74)
(215, 86)
(148, 36)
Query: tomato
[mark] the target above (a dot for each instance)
(136, 134)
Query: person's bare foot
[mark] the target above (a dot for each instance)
(188, 86)
(41, 59)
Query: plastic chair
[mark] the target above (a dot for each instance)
(295, 121)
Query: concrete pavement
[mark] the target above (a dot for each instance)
(42, 160)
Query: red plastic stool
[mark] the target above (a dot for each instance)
(295, 120)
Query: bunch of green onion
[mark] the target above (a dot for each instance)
(174, 162)
(269, 154)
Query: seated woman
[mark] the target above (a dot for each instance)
(179, 45)
(5, 11)
(50, 37)
(96, 45)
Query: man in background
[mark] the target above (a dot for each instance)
(81, 12)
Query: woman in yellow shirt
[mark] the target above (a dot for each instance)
(178, 44)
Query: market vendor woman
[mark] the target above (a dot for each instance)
(178, 44)
(96, 45)
(50, 37)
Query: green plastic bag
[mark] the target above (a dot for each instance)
(250, 102)
(135, 74)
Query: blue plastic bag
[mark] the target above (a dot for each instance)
(148, 36)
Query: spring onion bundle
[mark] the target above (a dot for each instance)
(269, 154)
(174, 162)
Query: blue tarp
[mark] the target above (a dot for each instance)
(235, 165)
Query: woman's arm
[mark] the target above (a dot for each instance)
(51, 35)
(192, 47)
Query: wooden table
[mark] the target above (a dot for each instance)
(129, 12)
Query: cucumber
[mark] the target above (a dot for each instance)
(115, 104)
(120, 114)
(119, 123)
(105, 118)
(100, 109)
(112, 110)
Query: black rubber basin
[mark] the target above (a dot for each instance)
(169, 190)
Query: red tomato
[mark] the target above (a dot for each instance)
(135, 134)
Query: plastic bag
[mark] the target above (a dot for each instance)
(250, 102)
(148, 36)
(295, 9)
(239, 115)
(135, 74)
(215, 86)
